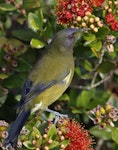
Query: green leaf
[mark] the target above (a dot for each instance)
(2, 99)
(84, 98)
(37, 132)
(52, 132)
(115, 33)
(35, 22)
(29, 4)
(53, 144)
(15, 81)
(102, 32)
(28, 145)
(78, 71)
(106, 66)
(3, 76)
(97, 45)
(103, 134)
(86, 64)
(36, 43)
(65, 143)
(25, 34)
(7, 7)
(89, 37)
(114, 134)
(96, 53)
(23, 66)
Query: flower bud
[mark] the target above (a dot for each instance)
(95, 29)
(45, 136)
(97, 19)
(62, 146)
(115, 2)
(37, 148)
(83, 24)
(88, 13)
(109, 10)
(100, 24)
(79, 18)
(102, 110)
(37, 136)
(92, 26)
(97, 120)
(91, 20)
(106, 7)
(50, 141)
(110, 39)
(108, 107)
(109, 2)
(98, 113)
(46, 148)
(86, 18)
(34, 142)
(62, 138)
(102, 126)
(110, 48)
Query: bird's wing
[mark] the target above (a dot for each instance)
(30, 92)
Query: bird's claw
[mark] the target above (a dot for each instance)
(57, 114)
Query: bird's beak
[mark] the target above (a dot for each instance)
(85, 29)
(79, 32)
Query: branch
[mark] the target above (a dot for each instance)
(92, 85)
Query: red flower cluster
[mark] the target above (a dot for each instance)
(69, 10)
(97, 3)
(79, 137)
(111, 20)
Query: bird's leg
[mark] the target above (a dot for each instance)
(57, 114)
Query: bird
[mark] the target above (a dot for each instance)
(48, 80)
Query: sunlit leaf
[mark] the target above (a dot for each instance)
(52, 132)
(89, 37)
(53, 144)
(37, 44)
(97, 45)
(28, 145)
(35, 22)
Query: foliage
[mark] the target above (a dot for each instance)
(26, 26)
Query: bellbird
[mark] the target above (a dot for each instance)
(47, 81)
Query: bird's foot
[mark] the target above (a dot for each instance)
(8, 147)
(57, 114)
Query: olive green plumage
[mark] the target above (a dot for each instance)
(47, 81)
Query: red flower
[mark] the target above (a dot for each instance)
(79, 137)
(68, 10)
(109, 18)
(114, 25)
(97, 3)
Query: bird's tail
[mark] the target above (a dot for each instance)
(15, 129)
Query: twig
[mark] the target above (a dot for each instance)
(101, 56)
(22, 11)
(91, 86)
(99, 144)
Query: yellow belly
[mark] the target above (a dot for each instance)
(50, 95)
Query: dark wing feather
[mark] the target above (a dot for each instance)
(29, 91)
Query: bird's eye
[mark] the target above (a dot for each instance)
(71, 36)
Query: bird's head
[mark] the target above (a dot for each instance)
(65, 39)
